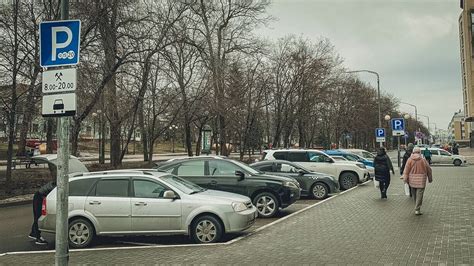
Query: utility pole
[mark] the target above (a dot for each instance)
(378, 94)
(62, 245)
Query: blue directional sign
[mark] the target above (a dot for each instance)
(380, 134)
(398, 126)
(59, 43)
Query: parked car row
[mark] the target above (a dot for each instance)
(204, 197)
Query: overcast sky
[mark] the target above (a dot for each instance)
(412, 44)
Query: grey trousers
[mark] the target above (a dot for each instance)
(418, 197)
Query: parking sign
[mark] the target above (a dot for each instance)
(380, 134)
(59, 43)
(398, 126)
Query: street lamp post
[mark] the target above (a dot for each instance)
(429, 131)
(378, 93)
(173, 128)
(416, 111)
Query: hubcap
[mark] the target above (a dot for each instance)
(79, 233)
(347, 182)
(266, 205)
(206, 231)
(319, 191)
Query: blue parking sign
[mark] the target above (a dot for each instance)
(59, 43)
(380, 134)
(398, 126)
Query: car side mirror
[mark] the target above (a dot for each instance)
(169, 194)
(240, 175)
(301, 172)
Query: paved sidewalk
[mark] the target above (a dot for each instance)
(354, 228)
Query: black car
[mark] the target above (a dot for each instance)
(268, 193)
(316, 185)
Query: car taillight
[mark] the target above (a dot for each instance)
(43, 207)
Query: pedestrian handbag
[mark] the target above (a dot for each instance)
(407, 189)
(376, 183)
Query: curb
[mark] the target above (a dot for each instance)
(15, 203)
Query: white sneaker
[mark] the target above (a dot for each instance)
(41, 241)
(418, 213)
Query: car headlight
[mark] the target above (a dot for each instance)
(361, 165)
(291, 184)
(238, 206)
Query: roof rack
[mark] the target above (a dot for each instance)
(121, 171)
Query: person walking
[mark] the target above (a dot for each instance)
(417, 172)
(427, 155)
(406, 156)
(383, 166)
(456, 149)
(37, 205)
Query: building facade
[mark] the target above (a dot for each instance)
(459, 130)
(466, 30)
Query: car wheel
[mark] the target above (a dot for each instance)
(206, 229)
(80, 233)
(319, 191)
(348, 180)
(457, 162)
(267, 204)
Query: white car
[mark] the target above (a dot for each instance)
(443, 157)
(362, 153)
(131, 202)
(347, 173)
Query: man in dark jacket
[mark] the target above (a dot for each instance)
(405, 158)
(37, 205)
(383, 166)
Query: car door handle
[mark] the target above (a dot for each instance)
(213, 182)
(94, 202)
(141, 203)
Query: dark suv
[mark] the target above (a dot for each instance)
(268, 193)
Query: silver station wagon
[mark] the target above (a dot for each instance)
(146, 202)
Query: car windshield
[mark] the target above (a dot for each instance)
(300, 167)
(247, 168)
(183, 185)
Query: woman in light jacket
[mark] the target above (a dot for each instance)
(417, 171)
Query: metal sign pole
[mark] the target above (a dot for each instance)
(398, 153)
(62, 247)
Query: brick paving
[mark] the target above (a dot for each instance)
(354, 228)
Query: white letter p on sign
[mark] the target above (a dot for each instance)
(54, 44)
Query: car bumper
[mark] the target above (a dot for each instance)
(240, 221)
(289, 196)
(47, 223)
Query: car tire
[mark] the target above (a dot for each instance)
(206, 229)
(267, 204)
(347, 180)
(457, 162)
(319, 191)
(81, 233)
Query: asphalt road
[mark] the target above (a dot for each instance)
(15, 225)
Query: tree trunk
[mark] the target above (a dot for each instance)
(49, 135)
(188, 140)
(144, 138)
(27, 116)
(13, 100)
(76, 129)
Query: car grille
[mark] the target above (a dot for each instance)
(248, 204)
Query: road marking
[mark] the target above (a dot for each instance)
(148, 246)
